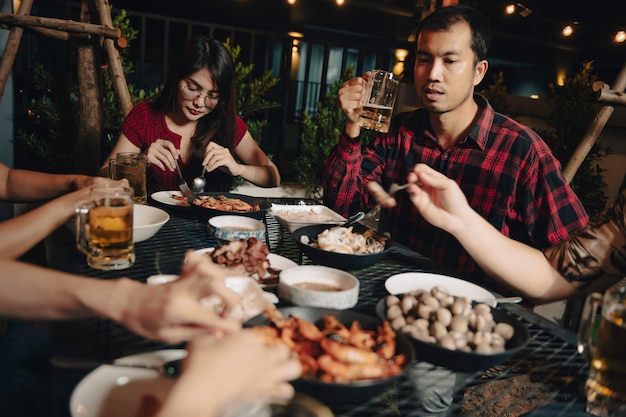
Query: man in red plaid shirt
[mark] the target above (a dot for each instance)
(506, 171)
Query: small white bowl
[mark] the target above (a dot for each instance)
(227, 228)
(147, 220)
(318, 286)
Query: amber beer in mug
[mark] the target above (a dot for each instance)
(104, 229)
(602, 336)
(378, 100)
(132, 166)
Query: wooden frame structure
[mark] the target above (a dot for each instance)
(88, 35)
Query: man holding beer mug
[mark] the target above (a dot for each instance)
(507, 171)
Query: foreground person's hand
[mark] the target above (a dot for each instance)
(236, 368)
(438, 198)
(173, 312)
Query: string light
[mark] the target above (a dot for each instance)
(620, 36)
(518, 8)
(567, 31)
(340, 2)
(292, 2)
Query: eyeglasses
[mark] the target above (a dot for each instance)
(192, 93)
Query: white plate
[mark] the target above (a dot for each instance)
(115, 391)
(276, 261)
(165, 197)
(295, 216)
(410, 281)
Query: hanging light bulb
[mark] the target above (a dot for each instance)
(509, 9)
(291, 2)
(620, 36)
(567, 30)
(340, 2)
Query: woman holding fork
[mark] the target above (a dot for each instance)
(194, 120)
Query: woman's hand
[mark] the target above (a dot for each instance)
(163, 154)
(217, 156)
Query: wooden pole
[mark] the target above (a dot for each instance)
(12, 45)
(91, 112)
(593, 131)
(59, 24)
(115, 63)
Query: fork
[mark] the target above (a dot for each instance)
(394, 188)
(182, 184)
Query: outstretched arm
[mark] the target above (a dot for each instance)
(523, 268)
(170, 312)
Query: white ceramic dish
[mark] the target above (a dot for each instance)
(116, 391)
(227, 228)
(318, 286)
(294, 217)
(276, 261)
(410, 281)
(165, 197)
(147, 221)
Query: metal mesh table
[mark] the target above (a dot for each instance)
(550, 359)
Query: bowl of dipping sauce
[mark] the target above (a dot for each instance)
(318, 286)
(227, 228)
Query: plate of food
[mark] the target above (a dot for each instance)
(346, 248)
(207, 205)
(119, 391)
(412, 281)
(170, 198)
(253, 257)
(453, 331)
(346, 356)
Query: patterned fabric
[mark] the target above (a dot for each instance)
(594, 257)
(505, 170)
(143, 126)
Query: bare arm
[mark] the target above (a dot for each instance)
(19, 185)
(521, 267)
(170, 312)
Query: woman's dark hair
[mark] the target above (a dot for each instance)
(443, 18)
(220, 124)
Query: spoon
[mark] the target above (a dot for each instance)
(198, 183)
(354, 219)
(501, 300)
(169, 369)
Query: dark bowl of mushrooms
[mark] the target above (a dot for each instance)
(453, 331)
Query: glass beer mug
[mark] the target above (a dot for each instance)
(132, 166)
(602, 339)
(104, 227)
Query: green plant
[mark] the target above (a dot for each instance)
(572, 111)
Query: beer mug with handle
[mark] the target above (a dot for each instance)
(602, 340)
(104, 227)
(132, 166)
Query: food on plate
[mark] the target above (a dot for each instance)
(223, 203)
(251, 254)
(317, 286)
(334, 352)
(341, 239)
(448, 321)
(304, 214)
(182, 200)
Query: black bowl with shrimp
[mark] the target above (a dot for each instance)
(347, 357)
(334, 252)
